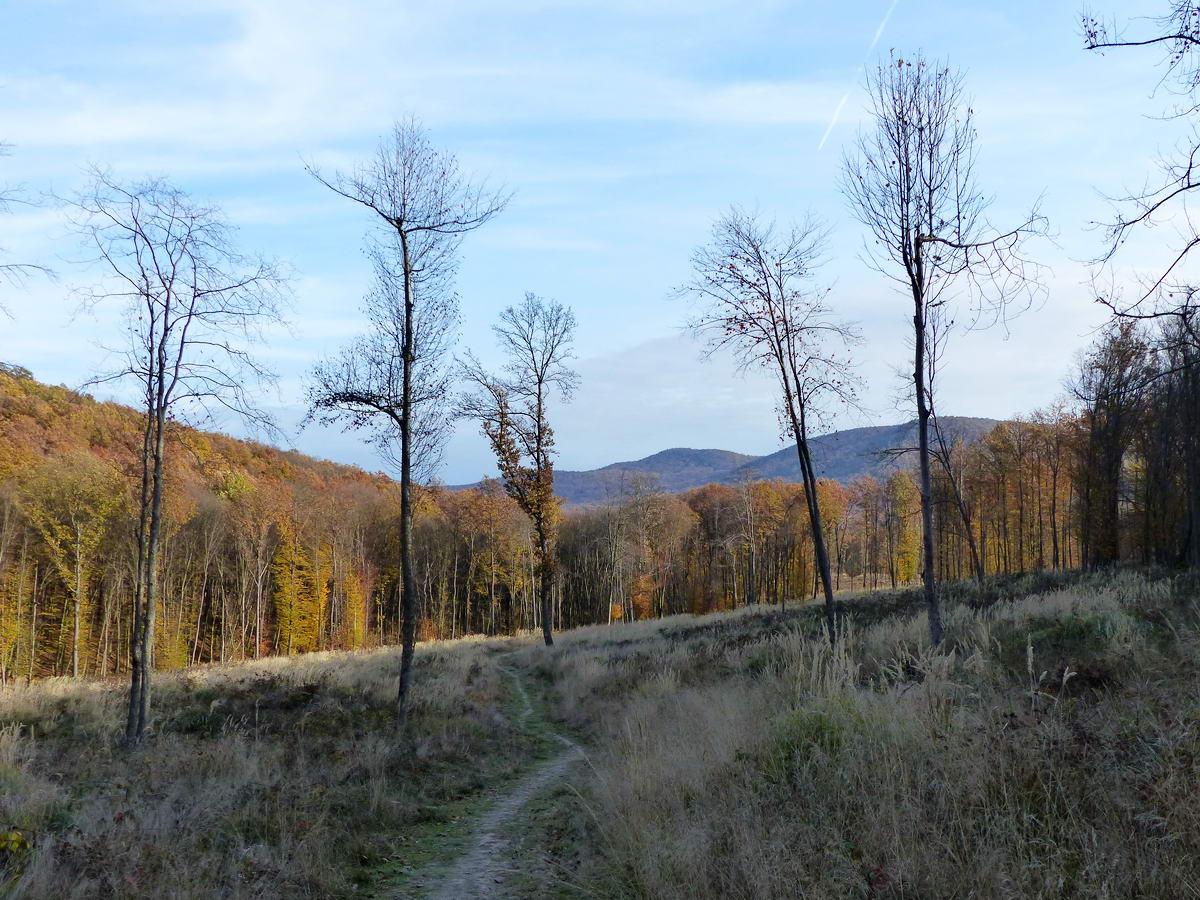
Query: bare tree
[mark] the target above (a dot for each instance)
(1165, 199)
(193, 306)
(755, 286)
(910, 180)
(362, 387)
(511, 408)
(423, 205)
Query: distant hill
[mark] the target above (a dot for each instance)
(845, 455)
(842, 456)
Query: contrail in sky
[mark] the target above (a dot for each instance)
(837, 113)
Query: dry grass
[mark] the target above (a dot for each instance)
(277, 778)
(1052, 749)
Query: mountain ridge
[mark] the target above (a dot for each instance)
(841, 455)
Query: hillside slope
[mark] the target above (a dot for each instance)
(846, 455)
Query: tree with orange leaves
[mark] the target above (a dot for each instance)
(511, 409)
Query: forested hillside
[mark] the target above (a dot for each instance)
(267, 550)
(271, 551)
(274, 552)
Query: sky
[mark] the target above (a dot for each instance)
(623, 129)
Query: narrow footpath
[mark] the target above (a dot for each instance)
(487, 863)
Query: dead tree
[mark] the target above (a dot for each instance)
(1169, 296)
(1177, 35)
(423, 205)
(512, 410)
(193, 306)
(910, 180)
(757, 296)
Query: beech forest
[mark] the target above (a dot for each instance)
(273, 552)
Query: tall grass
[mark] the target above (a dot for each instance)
(268, 779)
(1050, 748)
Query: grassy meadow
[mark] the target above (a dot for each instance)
(1050, 748)
(280, 778)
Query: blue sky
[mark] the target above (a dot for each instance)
(623, 128)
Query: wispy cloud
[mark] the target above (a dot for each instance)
(623, 127)
(837, 113)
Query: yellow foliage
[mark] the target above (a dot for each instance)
(14, 840)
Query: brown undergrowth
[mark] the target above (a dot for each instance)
(1050, 748)
(276, 778)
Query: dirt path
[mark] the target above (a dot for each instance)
(482, 870)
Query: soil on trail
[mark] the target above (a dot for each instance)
(489, 860)
(484, 868)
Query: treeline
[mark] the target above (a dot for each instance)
(1139, 468)
(269, 551)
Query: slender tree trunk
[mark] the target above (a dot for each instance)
(137, 660)
(545, 585)
(78, 606)
(200, 614)
(33, 598)
(923, 412)
(408, 594)
(151, 591)
(1054, 518)
(810, 495)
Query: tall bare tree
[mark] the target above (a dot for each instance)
(193, 306)
(1164, 200)
(511, 408)
(423, 205)
(1169, 296)
(911, 181)
(755, 284)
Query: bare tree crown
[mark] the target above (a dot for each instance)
(535, 336)
(1163, 199)
(194, 304)
(394, 376)
(420, 192)
(14, 272)
(911, 182)
(759, 298)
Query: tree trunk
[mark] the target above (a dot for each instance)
(137, 661)
(814, 515)
(923, 411)
(78, 606)
(408, 594)
(545, 586)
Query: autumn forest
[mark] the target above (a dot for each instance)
(267, 551)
